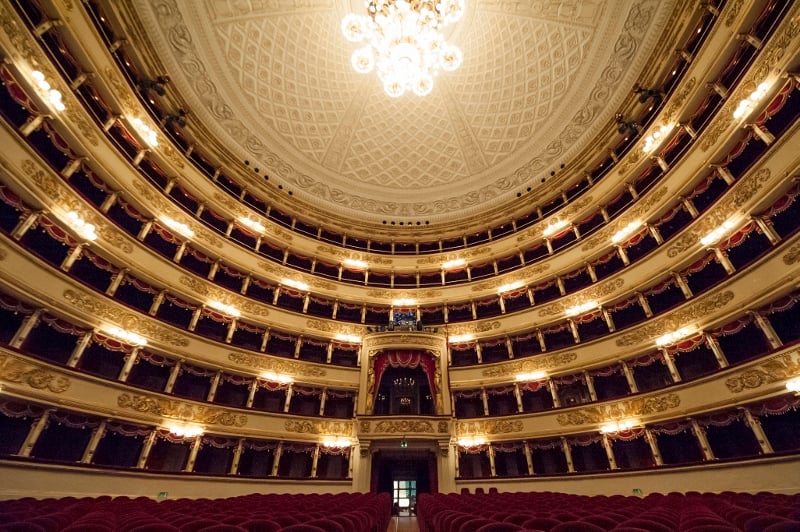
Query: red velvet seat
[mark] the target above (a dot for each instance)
(576, 526)
(261, 525)
(500, 527)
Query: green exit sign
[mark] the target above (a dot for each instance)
(162, 494)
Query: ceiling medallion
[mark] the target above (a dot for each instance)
(403, 42)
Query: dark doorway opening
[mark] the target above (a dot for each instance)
(404, 474)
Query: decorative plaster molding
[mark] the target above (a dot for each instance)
(637, 211)
(411, 339)
(266, 363)
(339, 428)
(171, 408)
(480, 252)
(620, 410)
(403, 426)
(37, 376)
(127, 320)
(793, 255)
(778, 368)
(534, 363)
(497, 426)
(210, 291)
(676, 320)
(594, 292)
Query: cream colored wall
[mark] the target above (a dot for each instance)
(44, 480)
(778, 475)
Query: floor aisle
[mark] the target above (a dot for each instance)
(403, 523)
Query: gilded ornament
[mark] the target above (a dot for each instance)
(267, 363)
(318, 427)
(535, 363)
(642, 406)
(403, 426)
(775, 369)
(37, 376)
(181, 410)
(499, 426)
(793, 255)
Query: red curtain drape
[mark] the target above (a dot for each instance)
(405, 359)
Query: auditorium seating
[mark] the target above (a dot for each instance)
(343, 512)
(561, 512)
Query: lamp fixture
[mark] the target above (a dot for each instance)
(718, 233)
(619, 426)
(620, 235)
(180, 227)
(460, 338)
(80, 226)
(185, 430)
(355, 264)
(404, 302)
(336, 442)
(255, 225)
(230, 310)
(453, 264)
(349, 338)
(148, 134)
(299, 285)
(674, 336)
(652, 140)
(471, 441)
(52, 96)
(126, 336)
(745, 106)
(793, 385)
(554, 227)
(281, 378)
(580, 309)
(530, 376)
(508, 287)
(403, 42)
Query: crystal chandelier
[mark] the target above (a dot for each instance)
(403, 42)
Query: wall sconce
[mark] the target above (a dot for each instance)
(299, 285)
(674, 336)
(126, 336)
(177, 226)
(185, 430)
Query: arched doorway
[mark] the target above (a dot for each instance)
(404, 473)
(404, 383)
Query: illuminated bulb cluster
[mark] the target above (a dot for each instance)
(355, 264)
(80, 226)
(508, 287)
(746, 106)
(793, 385)
(255, 225)
(460, 338)
(471, 441)
(299, 285)
(619, 426)
(349, 338)
(336, 442)
(718, 233)
(674, 336)
(404, 302)
(147, 133)
(580, 309)
(281, 378)
(403, 42)
(126, 336)
(177, 226)
(654, 139)
(51, 95)
(553, 227)
(454, 263)
(620, 235)
(530, 376)
(230, 310)
(185, 431)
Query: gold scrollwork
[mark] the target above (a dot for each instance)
(403, 426)
(34, 375)
(534, 364)
(621, 409)
(318, 427)
(180, 410)
(265, 363)
(793, 256)
(775, 369)
(500, 426)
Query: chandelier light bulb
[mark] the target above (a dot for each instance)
(404, 43)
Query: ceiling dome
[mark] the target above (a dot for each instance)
(274, 83)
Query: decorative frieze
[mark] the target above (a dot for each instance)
(676, 320)
(130, 321)
(202, 288)
(339, 428)
(487, 427)
(777, 368)
(598, 291)
(536, 363)
(266, 363)
(37, 376)
(601, 413)
(171, 408)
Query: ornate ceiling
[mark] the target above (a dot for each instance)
(272, 80)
